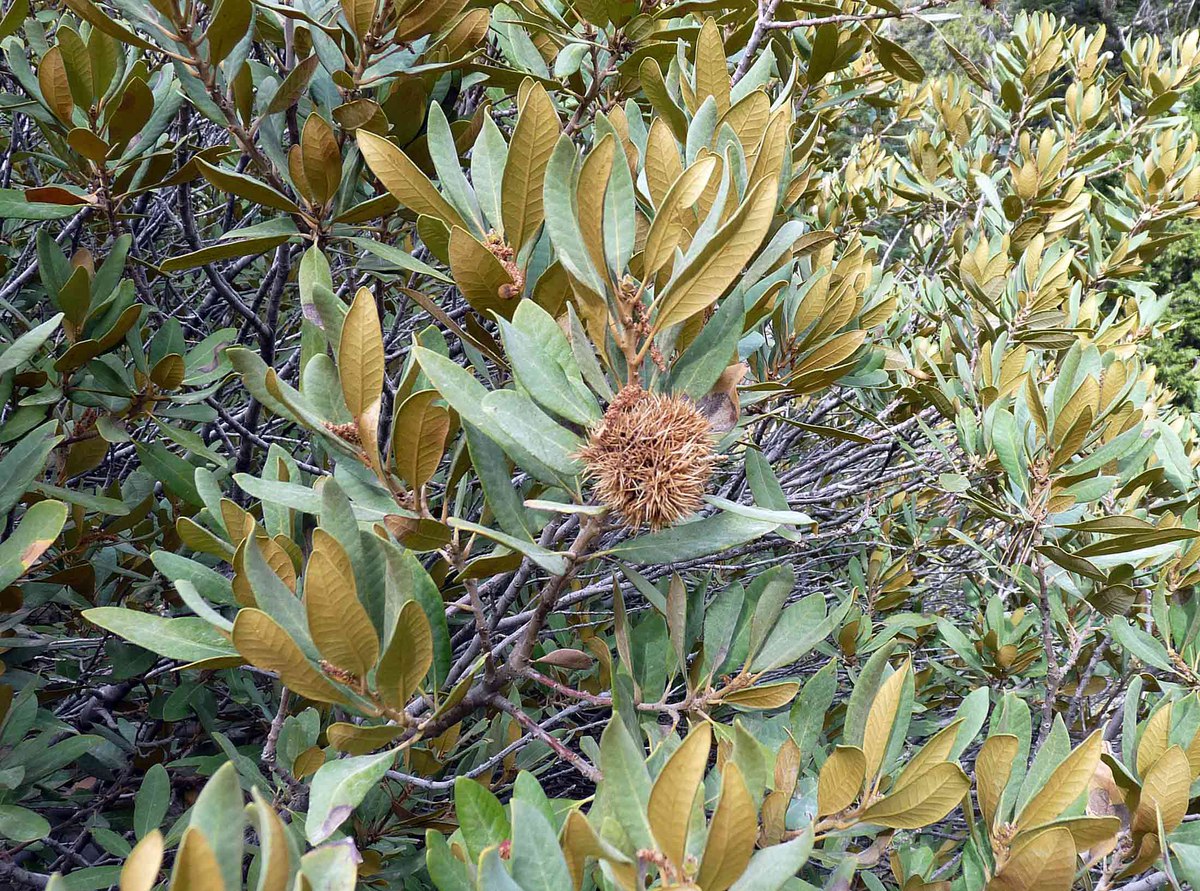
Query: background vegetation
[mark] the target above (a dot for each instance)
(698, 445)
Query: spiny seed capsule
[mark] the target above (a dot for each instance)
(650, 458)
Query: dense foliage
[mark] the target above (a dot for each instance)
(604, 446)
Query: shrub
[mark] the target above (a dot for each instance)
(608, 446)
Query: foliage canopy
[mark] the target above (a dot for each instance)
(603, 446)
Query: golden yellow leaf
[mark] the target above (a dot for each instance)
(748, 118)
(593, 185)
(360, 14)
(993, 767)
(480, 277)
(407, 658)
(360, 355)
(662, 165)
(882, 718)
(840, 779)
(925, 800)
(322, 158)
(267, 646)
(359, 739)
(1044, 861)
(1087, 831)
(731, 835)
(275, 867)
(52, 80)
(404, 179)
(719, 262)
(533, 142)
(933, 752)
(419, 430)
(666, 231)
(196, 866)
(340, 627)
(712, 75)
(1165, 789)
(427, 17)
(140, 872)
(764, 696)
(674, 792)
(1154, 739)
(1069, 780)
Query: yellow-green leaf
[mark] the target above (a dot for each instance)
(340, 627)
(533, 141)
(361, 363)
(52, 81)
(993, 767)
(712, 75)
(764, 696)
(933, 752)
(718, 263)
(666, 231)
(419, 430)
(1154, 739)
(322, 158)
(840, 779)
(359, 739)
(674, 792)
(140, 872)
(407, 658)
(1087, 831)
(1069, 780)
(1164, 792)
(881, 719)
(732, 833)
(404, 179)
(925, 800)
(267, 646)
(480, 276)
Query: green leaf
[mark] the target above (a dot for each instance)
(771, 868)
(185, 639)
(24, 463)
(20, 824)
(625, 793)
(544, 363)
(401, 259)
(1140, 644)
(26, 346)
(177, 475)
(897, 60)
(34, 534)
(697, 538)
(480, 816)
(800, 628)
(14, 206)
(338, 788)
(714, 348)
(245, 187)
(543, 557)
(218, 814)
(152, 800)
(526, 432)
(537, 860)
